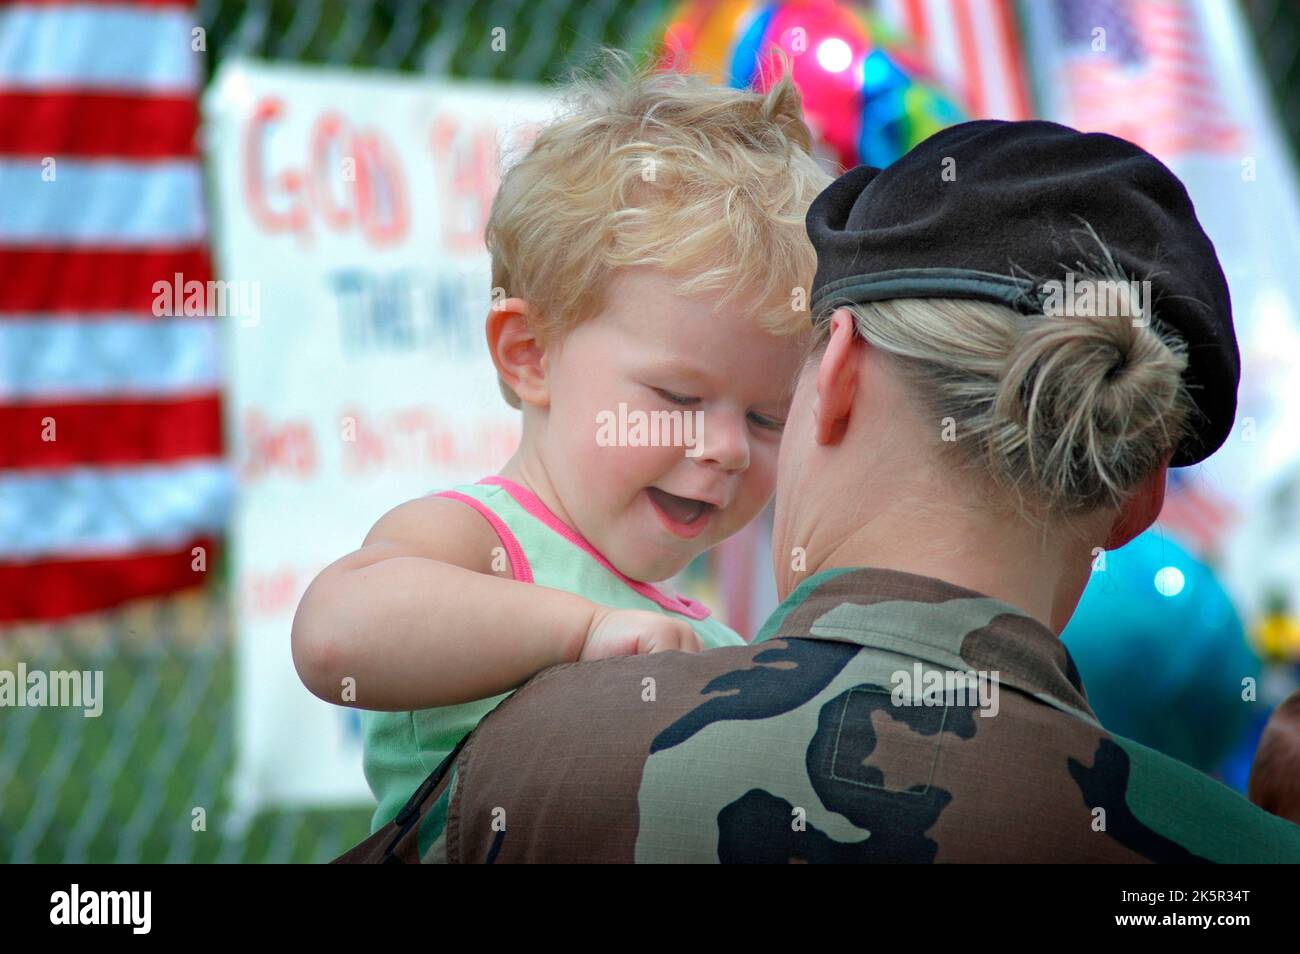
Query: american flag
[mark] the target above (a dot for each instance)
(1148, 81)
(972, 47)
(1141, 70)
(1195, 513)
(112, 484)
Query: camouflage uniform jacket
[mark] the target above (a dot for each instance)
(840, 734)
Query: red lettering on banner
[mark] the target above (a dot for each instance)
(272, 592)
(421, 439)
(381, 201)
(327, 154)
(351, 179)
(465, 162)
(288, 450)
(257, 189)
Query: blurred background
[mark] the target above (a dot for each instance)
(178, 459)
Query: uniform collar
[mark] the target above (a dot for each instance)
(947, 626)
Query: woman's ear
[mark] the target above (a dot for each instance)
(837, 379)
(1141, 508)
(517, 352)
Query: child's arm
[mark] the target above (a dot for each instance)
(418, 620)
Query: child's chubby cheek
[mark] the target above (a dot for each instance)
(614, 476)
(756, 491)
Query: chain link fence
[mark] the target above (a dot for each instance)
(543, 37)
(125, 787)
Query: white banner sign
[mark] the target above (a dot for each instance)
(349, 211)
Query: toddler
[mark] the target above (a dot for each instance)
(649, 258)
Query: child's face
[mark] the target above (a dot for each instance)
(648, 350)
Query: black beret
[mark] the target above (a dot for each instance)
(991, 210)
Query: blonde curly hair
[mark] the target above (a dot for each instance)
(663, 169)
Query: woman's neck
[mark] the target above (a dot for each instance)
(1022, 574)
(916, 526)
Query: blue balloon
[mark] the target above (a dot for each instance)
(1162, 652)
(744, 59)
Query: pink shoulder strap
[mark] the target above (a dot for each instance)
(518, 561)
(693, 609)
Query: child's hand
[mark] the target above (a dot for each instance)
(615, 632)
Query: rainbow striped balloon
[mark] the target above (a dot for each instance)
(866, 96)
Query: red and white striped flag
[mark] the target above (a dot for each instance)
(1178, 78)
(111, 471)
(973, 49)
(1197, 514)
(1139, 69)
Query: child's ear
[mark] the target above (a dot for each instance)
(517, 352)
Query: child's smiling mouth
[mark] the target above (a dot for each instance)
(683, 516)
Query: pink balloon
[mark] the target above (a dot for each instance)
(832, 99)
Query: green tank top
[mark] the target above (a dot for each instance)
(400, 749)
